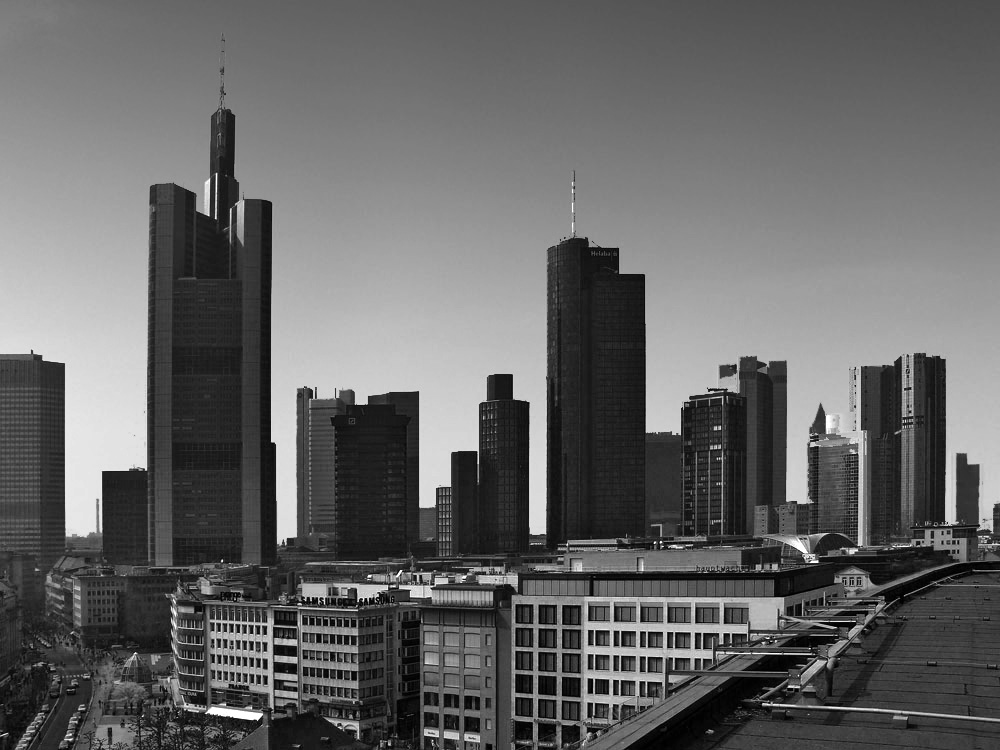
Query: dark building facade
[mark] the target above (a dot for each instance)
(903, 406)
(713, 427)
(765, 388)
(664, 481)
(966, 489)
(125, 516)
(371, 499)
(596, 395)
(211, 462)
(32, 457)
(503, 468)
(465, 503)
(407, 403)
(315, 460)
(443, 513)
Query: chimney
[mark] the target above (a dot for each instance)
(267, 716)
(291, 710)
(314, 707)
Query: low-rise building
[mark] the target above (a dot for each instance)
(856, 581)
(591, 648)
(11, 624)
(960, 540)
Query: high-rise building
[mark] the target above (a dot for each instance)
(664, 481)
(839, 481)
(765, 388)
(125, 516)
(445, 528)
(465, 503)
(371, 499)
(966, 489)
(315, 459)
(503, 468)
(596, 395)
(32, 457)
(211, 462)
(713, 428)
(407, 403)
(903, 407)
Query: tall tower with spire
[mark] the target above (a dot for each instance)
(210, 456)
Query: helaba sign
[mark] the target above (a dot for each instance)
(602, 253)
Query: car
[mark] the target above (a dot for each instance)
(70, 736)
(86, 677)
(46, 708)
(82, 708)
(65, 745)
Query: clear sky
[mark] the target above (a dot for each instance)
(808, 181)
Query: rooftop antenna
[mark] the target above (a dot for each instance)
(572, 207)
(222, 74)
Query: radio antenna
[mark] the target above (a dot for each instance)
(572, 206)
(222, 74)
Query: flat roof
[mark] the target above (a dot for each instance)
(938, 652)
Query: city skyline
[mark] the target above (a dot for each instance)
(811, 182)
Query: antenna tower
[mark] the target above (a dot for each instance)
(222, 74)
(572, 206)
(97, 505)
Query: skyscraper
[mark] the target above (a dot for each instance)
(503, 468)
(664, 481)
(32, 457)
(407, 403)
(903, 405)
(315, 459)
(211, 462)
(371, 486)
(713, 427)
(765, 388)
(465, 503)
(596, 395)
(839, 481)
(966, 489)
(124, 511)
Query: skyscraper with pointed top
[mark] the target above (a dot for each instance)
(596, 395)
(210, 456)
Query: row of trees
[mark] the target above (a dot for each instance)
(162, 729)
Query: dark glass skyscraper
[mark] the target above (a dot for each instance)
(596, 395)
(407, 403)
(966, 489)
(503, 468)
(124, 512)
(32, 457)
(371, 487)
(210, 456)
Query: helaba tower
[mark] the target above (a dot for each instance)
(596, 395)
(210, 456)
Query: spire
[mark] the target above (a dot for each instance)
(819, 423)
(222, 74)
(572, 206)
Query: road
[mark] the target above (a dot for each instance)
(64, 706)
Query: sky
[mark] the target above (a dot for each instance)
(809, 181)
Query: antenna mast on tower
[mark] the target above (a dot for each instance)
(222, 74)
(572, 206)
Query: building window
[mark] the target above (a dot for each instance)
(571, 663)
(628, 638)
(547, 638)
(571, 639)
(571, 687)
(598, 612)
(735, 615)
(706, 613)
(624, 613)
(571, 710)
(546, 708)
(547, 614)
(523, 660)
(523, 637)
(522, 707)
(547, 661)
(651, 613)
(571, 614)
(678, 613)
(524, 613)
(547, 684)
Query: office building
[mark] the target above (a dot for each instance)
(371, 487)
(428, 524)
(903, 407)
(125, 516)
(503, 468)
(664, 483)
(466, 667)
(407, 403)
(32, 457)
(592, 648)
(445, 526)
(211, 462)
(349, 658)
(959, 540)
(596, 395)
(713, 428)
(465, 503)
(839, 481)
(11, 626)
(966, 490)
(765, 388)
(315, 459)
